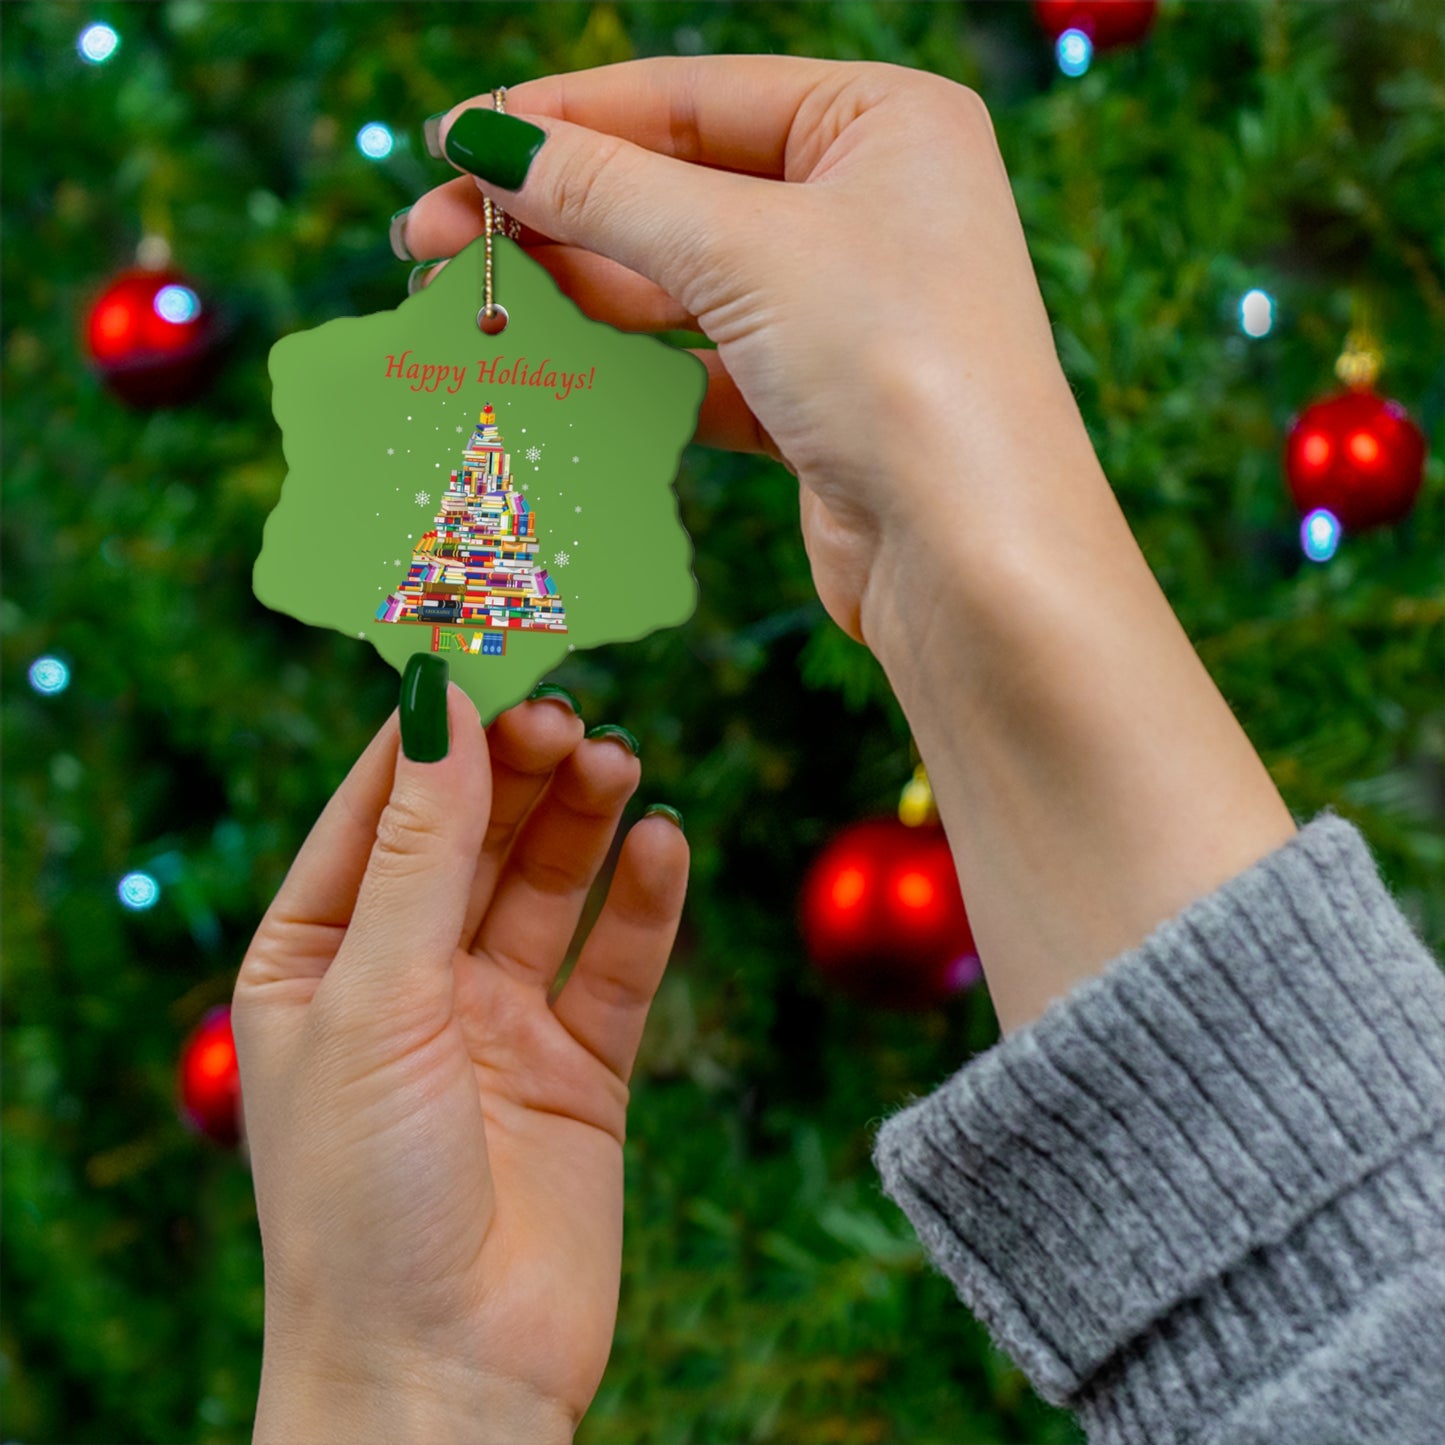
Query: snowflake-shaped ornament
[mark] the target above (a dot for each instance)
(447, 588)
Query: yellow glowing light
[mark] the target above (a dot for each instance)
(916, 806)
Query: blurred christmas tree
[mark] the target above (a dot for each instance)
(163, 728)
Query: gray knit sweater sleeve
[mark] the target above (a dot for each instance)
(1202, 1198)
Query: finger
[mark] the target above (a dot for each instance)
(395, 964)
(608, 292)
(442, 225)
(662, 164)
(611, 293)
(300, 932)
(605, 1000)
(659, 217)
(735, 112)
(599, 288)
(725, 419)
(526, 744)
(302, 929)
(450, 217)
(422, 275)
(543, 886)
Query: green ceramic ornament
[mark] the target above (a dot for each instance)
(504, 500)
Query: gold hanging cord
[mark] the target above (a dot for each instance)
(495, 221)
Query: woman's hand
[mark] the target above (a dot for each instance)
(848, 237)
(437, 1150)
(884, 293)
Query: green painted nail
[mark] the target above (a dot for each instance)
(414, 280)
(613, 730)
(425, 737)
(396, 232)
(550, 689)
(666, 812)
(431, 133)
(498, 148)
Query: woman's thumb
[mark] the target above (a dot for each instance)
(661, 217)
(413, 897)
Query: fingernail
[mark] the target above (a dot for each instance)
(424, 734)
(396, 231)
(612, 730)
(667, 812)
(550, 689)
(431, 133)
(498, 148)
(414, 280)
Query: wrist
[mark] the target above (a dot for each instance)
(987, 519)
(401, 1399)
(1092, 780)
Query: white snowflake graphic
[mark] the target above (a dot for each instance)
(391, 451)
(562, 558)
(422, 498)
(534, 454)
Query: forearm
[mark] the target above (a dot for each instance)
(1091, 778)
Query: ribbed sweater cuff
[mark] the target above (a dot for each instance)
(1195, 1114)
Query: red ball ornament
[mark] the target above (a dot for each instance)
(210, 1081)
(883, 917)
(1107, 23)
(1358, 456)
(152, 338)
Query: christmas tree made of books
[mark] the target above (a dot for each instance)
(478, 568)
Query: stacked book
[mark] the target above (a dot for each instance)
(477, 567)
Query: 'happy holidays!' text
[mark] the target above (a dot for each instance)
(427, 377)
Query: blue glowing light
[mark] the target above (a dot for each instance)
(138, 891)
(375, 141)
(49, 675)
(1074, 50)
(1319, 535)
(97, 43)
(177, 304)
(1256, 313)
